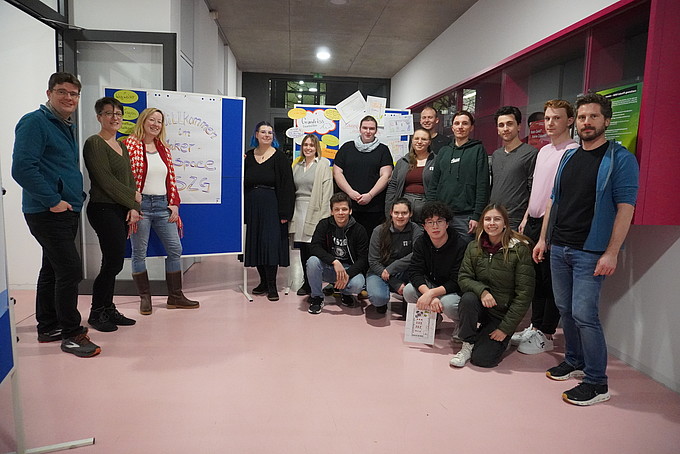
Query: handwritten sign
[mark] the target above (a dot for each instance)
(193, 126)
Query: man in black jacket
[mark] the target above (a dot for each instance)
(435, 262)
(339, 254)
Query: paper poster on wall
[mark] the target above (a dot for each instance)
(626, 114)
(193, 125)
(375, 107)
(352, 107)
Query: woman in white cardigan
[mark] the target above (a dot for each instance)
(313, 179)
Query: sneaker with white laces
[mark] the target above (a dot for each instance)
(519, 336)
(463, 356)
(315, 304)
(536, 343)
(564, 371)
(586, 394)
(80, 345)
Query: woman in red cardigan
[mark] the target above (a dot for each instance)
(154, 174)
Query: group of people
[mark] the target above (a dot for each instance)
(132, 191)
(441, 228)
(453, 233)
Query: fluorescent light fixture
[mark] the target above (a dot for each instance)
(323, 54)
(313, 89)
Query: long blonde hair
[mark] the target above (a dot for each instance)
(139, 126)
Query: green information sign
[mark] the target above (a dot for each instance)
(626, 114)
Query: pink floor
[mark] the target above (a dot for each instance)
(264, 377)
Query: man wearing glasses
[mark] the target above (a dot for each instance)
(45, 163)
(435, 262)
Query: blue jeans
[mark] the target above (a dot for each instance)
(155, 214)
(577, 296)
(318, 273)
(379, 290)
(449, 301)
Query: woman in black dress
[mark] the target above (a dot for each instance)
(269, 204)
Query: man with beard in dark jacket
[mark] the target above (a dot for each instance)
(339, 254)
(435, 262)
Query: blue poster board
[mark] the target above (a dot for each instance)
(209, 228)
(6, 358)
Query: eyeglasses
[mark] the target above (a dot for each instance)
(71, 94)
(438, 223)
(113, 114)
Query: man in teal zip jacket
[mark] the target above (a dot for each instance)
(45, 163)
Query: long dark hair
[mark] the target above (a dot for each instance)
(385, 238)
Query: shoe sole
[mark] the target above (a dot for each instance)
(315, 312)
(84, 355)
(573, 374)
(584, 403)
(535, 352)
(146, 312)
(106, 330)
(47, 341)
(176, 306)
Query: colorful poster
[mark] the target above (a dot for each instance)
(626, 114)
(322, 121)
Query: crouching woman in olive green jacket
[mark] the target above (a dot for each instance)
(497, 280)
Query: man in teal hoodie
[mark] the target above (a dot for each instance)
(45, 163)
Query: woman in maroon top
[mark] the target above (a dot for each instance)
(412, 173)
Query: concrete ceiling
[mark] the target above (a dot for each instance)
(366, 38)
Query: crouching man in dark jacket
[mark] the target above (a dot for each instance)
(338, 254)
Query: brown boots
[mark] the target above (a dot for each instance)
(176, 298)
(142, 283)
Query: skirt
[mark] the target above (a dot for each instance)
(266, 237)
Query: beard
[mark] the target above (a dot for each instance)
(591, 134)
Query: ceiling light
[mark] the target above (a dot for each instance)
(313, 89)
(323, 54)
(302, 82)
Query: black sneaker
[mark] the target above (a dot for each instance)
(99, 319)
(118, 318)
(328, 290)
(80, 345)
(564, 371)
(50, 336)
(273, 295)
(381, 309)
(586, 394)
(347, 300)
(315, 305)
(304, 290)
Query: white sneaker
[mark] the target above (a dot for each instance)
(536, 343)
(519, 336)
(463, 356)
